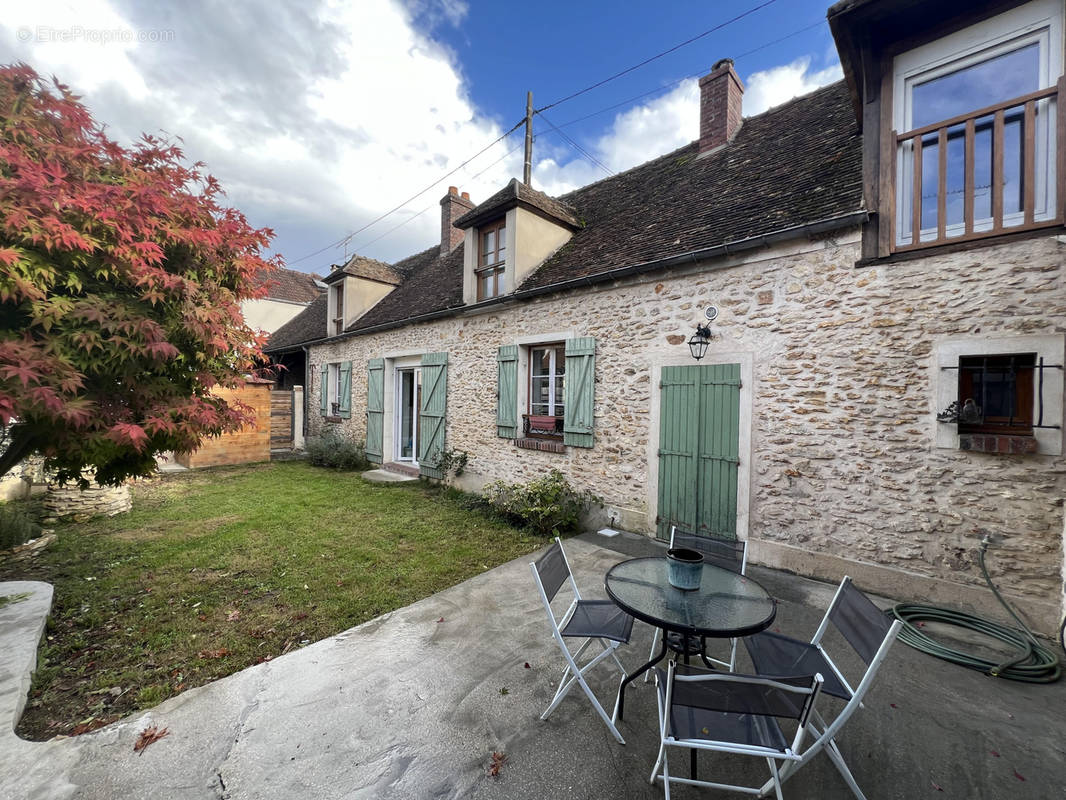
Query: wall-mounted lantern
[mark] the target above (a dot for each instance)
(701, 339)
(699, 342)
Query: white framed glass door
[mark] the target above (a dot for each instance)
(408, 403)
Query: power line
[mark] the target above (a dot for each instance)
(475, 176)
(578, 147)
(376, 220)
(626, 71)
(675, 83)
(557, 129)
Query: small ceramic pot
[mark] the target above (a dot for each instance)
(685, 568)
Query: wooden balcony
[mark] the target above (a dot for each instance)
(1037, 122)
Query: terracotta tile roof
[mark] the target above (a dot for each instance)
(435, 283)
(517, 193)
(796, 164)
(363, 267)
(290, 285)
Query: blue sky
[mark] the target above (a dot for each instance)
(320, 117)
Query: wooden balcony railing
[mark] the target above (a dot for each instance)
(1039, 114)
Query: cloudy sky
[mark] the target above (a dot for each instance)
(319, 117)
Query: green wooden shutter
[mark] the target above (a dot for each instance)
(323, 388)
(345, 409)
(431, 414)
(719, 443)
(579, 389)
(375, 409)
(699, 443)
(507, 391)
(678, 459)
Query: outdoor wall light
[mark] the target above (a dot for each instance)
(700, 340)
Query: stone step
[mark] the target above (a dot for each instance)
(387, 476)
(401, 469)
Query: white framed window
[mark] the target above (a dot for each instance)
(336, 307)
(984, 66)
(547, 376)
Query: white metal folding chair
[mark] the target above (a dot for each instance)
(702, 709)
(869, 632)
(599, 621)
(732, 554)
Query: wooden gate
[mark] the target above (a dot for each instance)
(699, 436)
(281, 420)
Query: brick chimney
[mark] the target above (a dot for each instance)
(452, 206)
(721, 93)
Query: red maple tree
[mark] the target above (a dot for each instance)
(121, 278)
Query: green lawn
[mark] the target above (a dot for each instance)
(216, 570)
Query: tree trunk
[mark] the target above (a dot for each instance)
(21, 445)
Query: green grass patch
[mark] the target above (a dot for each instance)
(216, 570)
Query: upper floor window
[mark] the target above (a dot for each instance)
(492, 253)
(336, 304)
(977, 110)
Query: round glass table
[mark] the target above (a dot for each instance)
(724, 606)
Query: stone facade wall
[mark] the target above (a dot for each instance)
(843, 471)
(80, 505)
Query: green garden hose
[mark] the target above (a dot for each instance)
(1033, 664)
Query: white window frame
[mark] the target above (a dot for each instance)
(1038, 22)
(526, 344)
(553, 375)
(416, 371)
(336, 291)
(945, 382)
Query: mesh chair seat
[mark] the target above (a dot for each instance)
(689, 722)
(599, 619)
(775, 655)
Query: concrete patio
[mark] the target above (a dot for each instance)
(413, 704)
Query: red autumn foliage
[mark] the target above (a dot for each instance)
(121, 278)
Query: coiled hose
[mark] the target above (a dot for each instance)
(1033, 664)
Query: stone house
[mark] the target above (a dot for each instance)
(883, 380)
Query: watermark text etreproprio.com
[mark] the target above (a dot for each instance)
(77, 33)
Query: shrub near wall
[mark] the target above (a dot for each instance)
(336, 451)
(548, 505)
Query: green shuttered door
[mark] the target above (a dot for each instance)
(507, 391)
(579, 391)
(699, 435)
(375, 408)
(431, 415)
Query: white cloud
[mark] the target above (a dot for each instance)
(315, 123)
(636, 135)
(319, 118)
(775, 86)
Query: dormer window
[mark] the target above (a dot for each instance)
(492, 253)
(336, 304)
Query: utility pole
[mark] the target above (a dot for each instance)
(528, 169)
